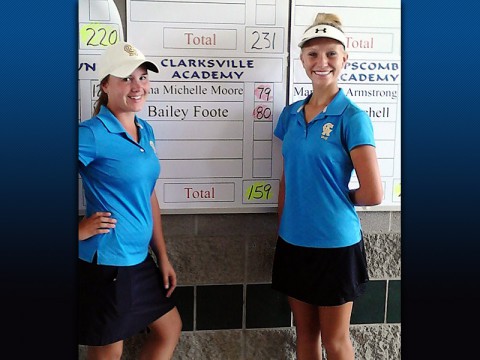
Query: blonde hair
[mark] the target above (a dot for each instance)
(327, 19)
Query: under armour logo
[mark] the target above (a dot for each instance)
(318, 30)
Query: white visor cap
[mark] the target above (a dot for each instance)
(324, 30)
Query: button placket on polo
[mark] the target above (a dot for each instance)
(140, 136)
(140, 147)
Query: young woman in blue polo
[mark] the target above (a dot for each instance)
(320, 261)
(122, 290)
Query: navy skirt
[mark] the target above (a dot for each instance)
(320, 276)
(116, 302)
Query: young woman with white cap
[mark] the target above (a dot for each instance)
(122, 290)
(320, 261)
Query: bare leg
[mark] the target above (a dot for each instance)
(307, 324)
(107, 352)
(335, 329)
(163, 337)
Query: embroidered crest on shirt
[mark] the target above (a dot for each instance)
(327, 129)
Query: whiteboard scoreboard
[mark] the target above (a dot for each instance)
(227, 69)
(99, 25)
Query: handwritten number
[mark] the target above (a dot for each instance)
(259, 191)
(100, 37)
(256, 41)
(262, 112)
(268, 43)
(266, 91)
(113, 37)
(89, 41)
(102, 30)
(250, 193)
(267, 189)
(265, 36)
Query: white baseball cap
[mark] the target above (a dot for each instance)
(121, 60)
(323, 30)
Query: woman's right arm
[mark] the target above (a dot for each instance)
(97, 223)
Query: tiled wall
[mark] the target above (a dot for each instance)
(229, 311)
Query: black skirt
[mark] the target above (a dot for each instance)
(116, 302)
(320, 276)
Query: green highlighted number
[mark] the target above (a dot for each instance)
(98, 35)
(259, 191)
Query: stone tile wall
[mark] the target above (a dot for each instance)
(223, 264)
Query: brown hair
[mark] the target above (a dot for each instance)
(102, 98)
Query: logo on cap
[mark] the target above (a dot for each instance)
(130, 50)
(318, 30)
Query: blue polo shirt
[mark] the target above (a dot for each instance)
(118, 176)
(317, 166)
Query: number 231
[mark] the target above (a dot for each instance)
(263, 40)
